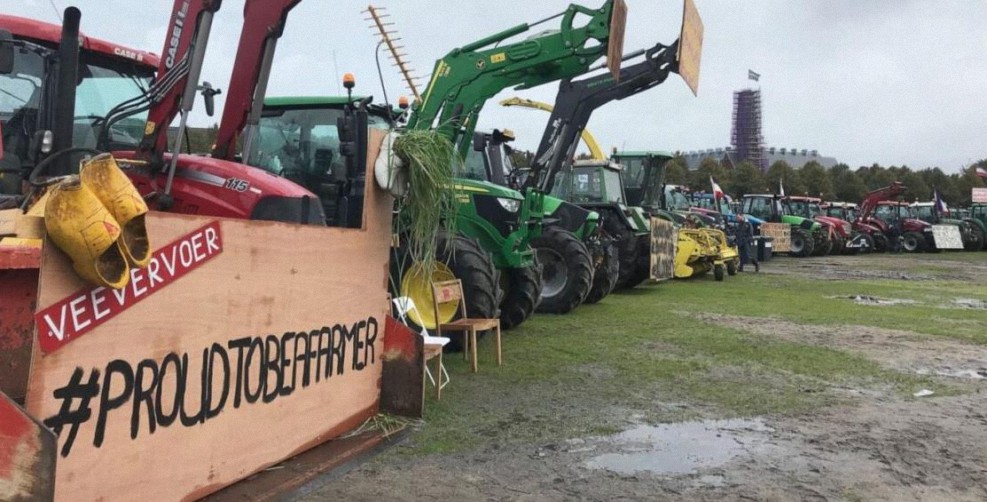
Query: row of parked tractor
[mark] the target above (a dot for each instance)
(547, 237)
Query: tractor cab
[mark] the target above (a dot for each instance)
(643, 176)
(29, 62)
(298, 138)
(591, 181)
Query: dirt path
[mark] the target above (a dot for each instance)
(875, 446)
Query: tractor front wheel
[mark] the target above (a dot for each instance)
(522, 290)
(627, 249)
(643, 270)
(839, 245)
(605, 276)
(881, 243)
(732, 267)
(976, 240)
(913, 242)
(457, 257)
(566, 270)
(801, 243)
(718, 272)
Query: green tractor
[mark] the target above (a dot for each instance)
(978, 212)
(973, 231)
(569, 249)
(491, 250)
(808, 237)
(597, 186)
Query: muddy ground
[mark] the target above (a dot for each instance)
(872, 445)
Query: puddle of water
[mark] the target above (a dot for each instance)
(873, 300)
(978, 374)
(680, 448)
(970, 303)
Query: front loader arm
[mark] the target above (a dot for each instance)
(467, 77)
(870, 202)
(263, 25)
(178, 71)
(577, 100)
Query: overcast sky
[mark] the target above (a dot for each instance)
(887, 81)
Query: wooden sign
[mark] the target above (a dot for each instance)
(615, 44)
(690, 45)
(270, 344)
(663, 243)
(947, 237)
(781, 235)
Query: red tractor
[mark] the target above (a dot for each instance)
(78, 99)
(845, 239)
(873, 239)
(895, 220)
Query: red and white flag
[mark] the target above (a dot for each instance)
(717, 191)
(981, 172)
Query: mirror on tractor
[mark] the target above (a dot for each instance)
(6, 53)
(352, 127)
(209, 97)
(479, 142)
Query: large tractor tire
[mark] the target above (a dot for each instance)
(822, 244)
(458, 257)
(628, 250)
(867, 243)
(605, 276)
(839, 245)
(522, 291)
(976, 240)
(801, 243)
(881, 243)
(566, 270)
(718, 272)
(643, 270)
(912, 242)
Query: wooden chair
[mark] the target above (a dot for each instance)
(431, 346)
(451, 291)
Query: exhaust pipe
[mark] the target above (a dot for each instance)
(68, 76)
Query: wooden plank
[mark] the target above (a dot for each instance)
(615, 43)
(690, 46)
(267, 349)
(663, 243)
(403, 386)
(781, 234)
(27, 455)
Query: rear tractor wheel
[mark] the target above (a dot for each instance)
(522, 291)
(605, 276)
(801, 243)
(566, 270)
(913, 242)
(458, 257)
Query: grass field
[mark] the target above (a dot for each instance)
(654, 353)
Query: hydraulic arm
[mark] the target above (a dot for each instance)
(595, 152)
(577, 99)
(870, 202)
(467, 77)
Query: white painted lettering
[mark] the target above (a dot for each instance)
(74, 307)
(185, 253)
(136, 277)
(58, 331)
(120, 295)
(152, 273)
(96, 297)
(211, 238)
(170, 265)
(197, 247)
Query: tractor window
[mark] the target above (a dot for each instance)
(677, 200)
(815, 209)
(20, 99)
(923, 211)
(758, 207)
(105, 85)
(587, 185)
(885, 212)
(475, 166)
(613, 187)
(798, 207)
(633, 172)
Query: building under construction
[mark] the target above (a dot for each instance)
(746, 135)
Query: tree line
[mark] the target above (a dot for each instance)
(838, 183)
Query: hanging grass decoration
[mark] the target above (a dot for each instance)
(432, 161)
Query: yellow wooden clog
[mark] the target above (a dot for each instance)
(79, 224)
(114, 189)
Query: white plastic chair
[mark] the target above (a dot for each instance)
(405, 305)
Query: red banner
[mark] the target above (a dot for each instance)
(79, 313)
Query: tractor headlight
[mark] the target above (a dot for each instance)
(509, 205)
